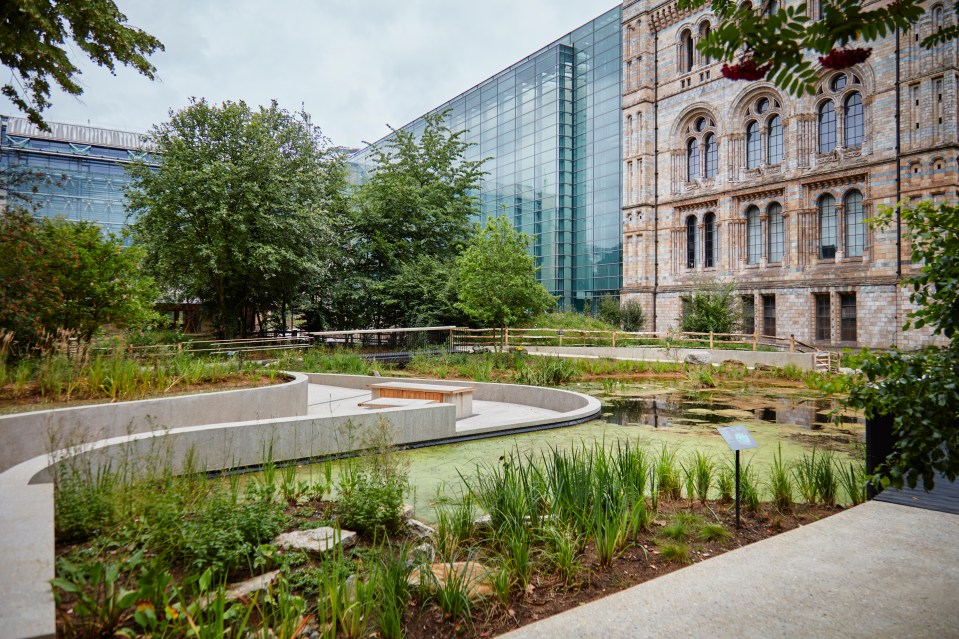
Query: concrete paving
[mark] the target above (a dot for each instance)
(877, 570)
(336, 401)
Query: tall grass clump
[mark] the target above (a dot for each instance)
(852, 477)
(749, 487)
(547, 371)
(780, 484)
(667, 476)
(699, 471)
(827, 482)
(804, 471)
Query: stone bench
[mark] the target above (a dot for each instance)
(395, 402)
(459, 396)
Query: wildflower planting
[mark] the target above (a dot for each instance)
(149, 553)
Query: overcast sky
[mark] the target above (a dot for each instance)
(355, 65)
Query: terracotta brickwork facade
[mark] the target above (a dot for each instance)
(739, 181)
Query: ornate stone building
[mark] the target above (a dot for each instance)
(741, 182)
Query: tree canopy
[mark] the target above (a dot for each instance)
(920, 389)
(241, 213)
(497, 277)
(789, 44)
(411, 219)
(58, 274)
(35, 44)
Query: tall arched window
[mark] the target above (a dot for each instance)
(827, 127)
(753, 235)
(855, 235)
(711, 155)
(692, 160)
(775, 235)
(686, 40)
(692, 242)
(753, 145)
(852, 121)
(709, 241)
(703, 34)
(827, 227)
(774, 140)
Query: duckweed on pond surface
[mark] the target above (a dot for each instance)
(654, 416)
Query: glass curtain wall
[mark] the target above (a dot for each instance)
(550, 126)
(85, 182)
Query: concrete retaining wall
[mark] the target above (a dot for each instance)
(549, 398)
(25, 435)
(804, 361)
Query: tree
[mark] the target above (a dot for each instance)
(497, 277)
(791, 43)
(59, 274)
(627, 315)
(34, 39)
(241, 212)
(920, 390)
(416, 206)
(712, 307)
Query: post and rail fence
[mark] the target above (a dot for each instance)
(401, 343)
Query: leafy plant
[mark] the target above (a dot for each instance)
(102, 595)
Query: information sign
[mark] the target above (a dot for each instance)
(737, 437)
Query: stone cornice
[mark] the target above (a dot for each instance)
(835, 180)
(697, 204)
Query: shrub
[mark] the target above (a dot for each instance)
(632, 316)
(712, 307)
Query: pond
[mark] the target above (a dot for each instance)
(653, 415)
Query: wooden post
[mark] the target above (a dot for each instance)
(756, 340)
(506, 338)
(792, 343)
(560, 333)
(614, 339)
(710, 340)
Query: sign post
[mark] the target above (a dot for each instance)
(737, 438)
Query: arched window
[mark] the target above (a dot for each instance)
(703, 34)
(687, 51)
(775, 236)
(753, 235)
(774, 140)
(753, 145)
(827, 227)
(852, 122)
(711, 155)
(937, 21)
(692, 160)
(855, 234)
(692, 242)
(827, 127)
(709, 241)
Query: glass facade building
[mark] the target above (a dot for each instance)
(550, 126)
(83, 170)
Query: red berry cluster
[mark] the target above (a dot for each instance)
(844, 58)
(745, 70)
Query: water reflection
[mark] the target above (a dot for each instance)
(666, 411)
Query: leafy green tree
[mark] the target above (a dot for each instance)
(920, 390)
(712, 307)
(243, 211)
(413, 212)
(99, 279)
(627, 315)
(790, 44)
(39, 37)
(59, 274)
(497, 277)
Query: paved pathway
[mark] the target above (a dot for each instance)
(877, 570)
(336, 400)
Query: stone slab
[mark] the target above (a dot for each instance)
(316, 540)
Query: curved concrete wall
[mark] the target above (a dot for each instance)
(62, 427)
(131, 433)
(552, 398)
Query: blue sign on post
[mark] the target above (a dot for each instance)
(738, 438)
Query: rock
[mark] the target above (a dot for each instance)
(485, 521)
(250, 586)
(847, 371)
(407, 511)
(423, 554)
(474, 575)
(698, 358)
(316, 540)
(420, 528)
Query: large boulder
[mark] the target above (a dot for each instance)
(698, 358)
